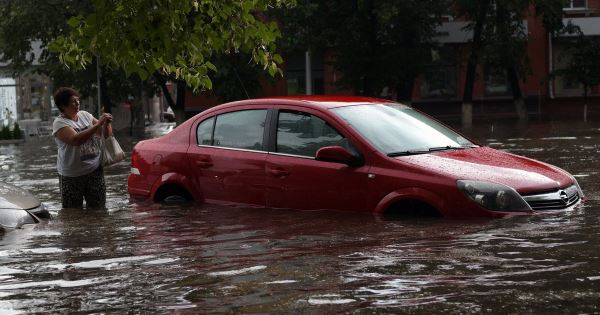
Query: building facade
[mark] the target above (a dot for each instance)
(440, 88)
(25, 99)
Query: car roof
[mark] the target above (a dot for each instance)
(326, 101)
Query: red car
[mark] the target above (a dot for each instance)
(342, 153)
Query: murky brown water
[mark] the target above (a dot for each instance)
(150, 258)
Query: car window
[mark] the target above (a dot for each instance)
(242, 129)
(303, 134)
(204, 131)
(395, 128)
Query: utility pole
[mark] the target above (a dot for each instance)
(98, 74)
(308, 64)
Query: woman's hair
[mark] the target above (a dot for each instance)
(62, 97)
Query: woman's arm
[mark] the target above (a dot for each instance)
(69, 136)
(108, 129)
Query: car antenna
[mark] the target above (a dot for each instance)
(241, 83)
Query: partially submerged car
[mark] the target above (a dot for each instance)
(19, 207)
(342, 153)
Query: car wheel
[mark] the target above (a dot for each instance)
(175, 199)
(172, 194)
(407, 209)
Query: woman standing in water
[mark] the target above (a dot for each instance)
(77, 135)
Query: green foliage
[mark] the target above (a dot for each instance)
(176, 39)
(236, 78)
(5, 133)
(377, 43)
(27, 21)
(16, 133)
(504, 37)
(582, 55)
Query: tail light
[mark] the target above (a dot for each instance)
(135, 162)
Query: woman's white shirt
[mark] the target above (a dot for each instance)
(78, 160)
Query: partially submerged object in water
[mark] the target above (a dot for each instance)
(19, 207)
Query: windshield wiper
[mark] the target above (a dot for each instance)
(408, 152)
(433, 149)
(448, 147)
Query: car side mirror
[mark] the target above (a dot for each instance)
(337, 154)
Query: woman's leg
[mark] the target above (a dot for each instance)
(95, 189)
(71, 191)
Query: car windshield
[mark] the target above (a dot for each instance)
(397, 129)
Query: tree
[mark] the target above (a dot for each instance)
(582, 64)
(500, 40)
(476, 12)
(236, 79)
(383, 43)
(29, 21)
(171, 40)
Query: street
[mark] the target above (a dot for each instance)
(143, 257)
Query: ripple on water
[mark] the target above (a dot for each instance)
(142, 257)
(111, 263)
(52, 283)
(10, 271)
(329, 299)
(236, 272)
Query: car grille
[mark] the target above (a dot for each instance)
(556, 200)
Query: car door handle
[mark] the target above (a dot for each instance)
(279, 172)
(204, 163)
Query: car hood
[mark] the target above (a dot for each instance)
(12, 197)
(486, 164)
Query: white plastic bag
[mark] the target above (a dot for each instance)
(112, 152)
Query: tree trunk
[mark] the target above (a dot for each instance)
(511, 59)
(106, 100)
(368, 89)
(405, 91)
(518, 100)
(163, 86)
(179, 108)
(467, 104)
(585, 103)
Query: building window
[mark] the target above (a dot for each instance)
(296, 74)
(565, 84)
(496, 82)
(575, 4)
(439, 78)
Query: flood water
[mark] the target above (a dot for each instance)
(141, 257)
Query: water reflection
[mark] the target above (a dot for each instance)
(159, 258)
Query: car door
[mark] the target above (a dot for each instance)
(296, 180)
(229, 159)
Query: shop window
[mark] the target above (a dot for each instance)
(575, 4)
(439, 77)
(8, 101)
(496, 82)
(565, 85)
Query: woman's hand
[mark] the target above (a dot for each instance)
(105, 118)
(105, 121)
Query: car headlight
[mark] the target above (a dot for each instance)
(493, 196)
(15, 218)
(579, 191)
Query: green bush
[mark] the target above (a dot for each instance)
(5, 134)
(16, 133)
